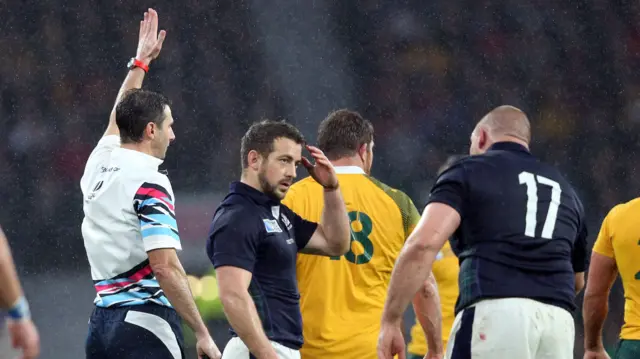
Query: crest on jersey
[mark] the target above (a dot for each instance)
(271, 225)
(286, 222)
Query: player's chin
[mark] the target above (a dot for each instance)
(282, 190)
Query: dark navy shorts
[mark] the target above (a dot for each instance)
(140, 332)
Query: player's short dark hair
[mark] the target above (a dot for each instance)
(136, 109)
(448, 162)
(342, 133)
(261, 136)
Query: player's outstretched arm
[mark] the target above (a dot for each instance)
(240, 310)
(24, 334)
(602, 275)
(149, 46)
(426, 305)
(438, 223)
(332, 237)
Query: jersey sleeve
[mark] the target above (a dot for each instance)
(154, 205)
(604, 244)
(450, 188)
(99, 156)
(302, 228)
(233, 241)
(581, 254)
(411, 217)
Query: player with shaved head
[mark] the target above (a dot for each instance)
(521, 241)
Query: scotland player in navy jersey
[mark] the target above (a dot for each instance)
(521, 239)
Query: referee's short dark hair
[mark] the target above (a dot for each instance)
(261, 135)
(342, 133)
(135, 110)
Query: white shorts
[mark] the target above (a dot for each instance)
(236, 349)
(512, 328)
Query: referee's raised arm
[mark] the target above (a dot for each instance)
(149, 45)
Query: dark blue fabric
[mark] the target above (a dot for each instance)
(110, 337)
(462, 342)
(497, 258)
(245, 234)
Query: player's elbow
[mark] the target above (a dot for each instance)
(232, 297)
(430, 287)
(341, 247)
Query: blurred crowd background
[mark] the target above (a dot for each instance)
(422, 72)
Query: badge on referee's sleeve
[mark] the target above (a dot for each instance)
(271, 225)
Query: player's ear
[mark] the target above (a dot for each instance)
(483, 139)
(254, 159)
(150, 130)
(362, 151)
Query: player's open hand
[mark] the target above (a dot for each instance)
(390, 342)
(322, 171)
(149, 40)
(596, 354)
(24, 336)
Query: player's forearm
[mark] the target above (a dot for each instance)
(175, 285)
(241, 312)
(411, 270)
(426, 305)
(335, 222)
(134, 80)
(10, 290)
(594, 313)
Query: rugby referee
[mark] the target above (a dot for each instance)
(254, 240)
(129, 228)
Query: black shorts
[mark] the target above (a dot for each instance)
(140, 332)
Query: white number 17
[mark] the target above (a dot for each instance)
(529, 179)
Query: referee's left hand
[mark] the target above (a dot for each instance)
(391, 342)
(322, 171)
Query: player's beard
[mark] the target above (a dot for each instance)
(270, 190)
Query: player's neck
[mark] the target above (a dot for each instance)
(251, 181)
(140, 147)
(511, 139)
(354, 161)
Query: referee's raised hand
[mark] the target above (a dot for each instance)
(149, 40)
(322, 171)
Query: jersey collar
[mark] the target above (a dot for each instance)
(508, 146)
(260, 198)
(133, 158)
(349, 170)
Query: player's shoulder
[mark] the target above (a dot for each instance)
(623, 210)
(304, 184)
(401, 199)
(236, 211)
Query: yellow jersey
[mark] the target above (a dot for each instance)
(341, 298)
(446, 270)
(619, 239)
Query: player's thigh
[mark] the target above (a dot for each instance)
(628, 349)
(558, 333)
(145, 336)
(236, 349)
(497, 328)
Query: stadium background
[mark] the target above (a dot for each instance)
(422, 72)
